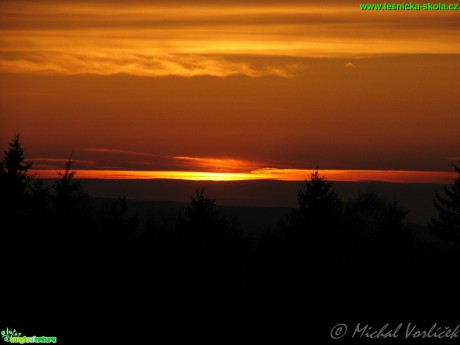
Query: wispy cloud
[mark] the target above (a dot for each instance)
(218, 164)
(156, 64)
(58, 163)
(101, 158)
(118, 151)
(349, 65)
(197, 38)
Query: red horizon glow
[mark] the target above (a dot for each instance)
(217, 91)
(393, 176)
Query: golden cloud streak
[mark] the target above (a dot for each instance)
(193, 40)
(218, 164)
(394, 176)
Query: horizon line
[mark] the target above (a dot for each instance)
(339, 175)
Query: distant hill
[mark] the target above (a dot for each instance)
(253, 220)
(257, 205)
(417, 198)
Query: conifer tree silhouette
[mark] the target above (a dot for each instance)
(319, 205)
(208, 244)
(14, 191)
(72, 207)
(14, 177)
(447, 224)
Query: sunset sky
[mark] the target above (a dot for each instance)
(250, 88)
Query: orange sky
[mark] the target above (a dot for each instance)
(230, 87)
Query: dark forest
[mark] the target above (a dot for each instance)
(80, 271)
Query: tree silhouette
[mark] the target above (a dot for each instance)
(116, 229)
(208, 246)
(72, 208)
(299, 255)
(69, 195)
(14, 192)
(370, 214)
(202, 229)
(319, 206)
(40, 211)
(447, 225)
(377, 241)
(14, 179)
(202, 215)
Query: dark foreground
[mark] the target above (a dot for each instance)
(90, 275)
(90, 272)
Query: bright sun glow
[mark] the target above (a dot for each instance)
(265, 174)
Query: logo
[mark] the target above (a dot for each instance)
(12, 336)
(410, 331)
